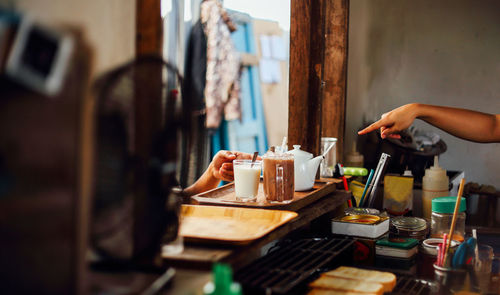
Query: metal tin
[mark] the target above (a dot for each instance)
(427, 253)
(411, 227)
(361, 211)
(364, 219)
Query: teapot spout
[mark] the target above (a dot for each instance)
(313, 164)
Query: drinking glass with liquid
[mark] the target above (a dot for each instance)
(246, 179)
(278, 177)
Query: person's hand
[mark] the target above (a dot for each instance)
(222, 164)
(393, 122)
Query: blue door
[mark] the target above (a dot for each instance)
(249, 135)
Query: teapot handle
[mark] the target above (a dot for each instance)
(280, 188)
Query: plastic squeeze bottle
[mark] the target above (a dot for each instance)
(354, 159)
(435, 183)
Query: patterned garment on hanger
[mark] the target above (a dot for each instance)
(223, 65)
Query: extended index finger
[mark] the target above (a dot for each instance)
(371, 128)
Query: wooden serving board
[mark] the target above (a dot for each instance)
(229, 224)
(224, 196)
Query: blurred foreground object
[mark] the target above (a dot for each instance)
(38, 56)
(45, 183)
(138, 126)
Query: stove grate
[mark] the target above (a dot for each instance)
(288, 268)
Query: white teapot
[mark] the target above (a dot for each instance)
(305, 168)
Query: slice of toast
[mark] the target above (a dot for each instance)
(386, 279)
(340, 284)
(317, 291)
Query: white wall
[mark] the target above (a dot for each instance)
(109, 25)
(436, 52)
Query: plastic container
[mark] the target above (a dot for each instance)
(222, 283)
(398, 193)
(435, 183)
(442, 214)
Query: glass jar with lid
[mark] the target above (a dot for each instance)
(442, 214)
(408, 227)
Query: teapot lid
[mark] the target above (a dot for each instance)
(297, 152)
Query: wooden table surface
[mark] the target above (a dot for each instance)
(200, 256)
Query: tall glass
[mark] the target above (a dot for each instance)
(327, 167)
(246, 179)
(279, 185)
(482, 266)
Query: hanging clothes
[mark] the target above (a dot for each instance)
(222, 86)
(195, 162)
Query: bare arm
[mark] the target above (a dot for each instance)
(466, 124)
(221, 168)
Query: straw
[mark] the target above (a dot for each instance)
(441, 254)
(283, 144)
(454, 219)
(328, 149)
(366, 187)
(477, 263)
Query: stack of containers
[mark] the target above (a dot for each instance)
(397, 253)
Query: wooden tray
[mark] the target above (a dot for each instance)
(228, 224)
(224, 196)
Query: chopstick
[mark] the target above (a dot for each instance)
(366, 188)
(454, 219)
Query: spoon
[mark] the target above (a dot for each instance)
(254, 158)
(327, 150)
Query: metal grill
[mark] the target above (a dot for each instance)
(411, 286)
(288, 269)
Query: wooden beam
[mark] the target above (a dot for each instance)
(148, 120)
(149, 27)
(335, 69)
(306, 53)
(318, 68)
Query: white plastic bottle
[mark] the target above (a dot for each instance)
(435, 183)
(354, 159)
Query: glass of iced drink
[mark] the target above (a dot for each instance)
(246, 179)
(278, 177)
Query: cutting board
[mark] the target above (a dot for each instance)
(224, 196)
(229, 225)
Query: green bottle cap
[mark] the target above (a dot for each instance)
(447, 205)
(223, 282)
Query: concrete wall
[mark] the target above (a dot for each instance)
(274, 95)
(109, 25)
(436, 52)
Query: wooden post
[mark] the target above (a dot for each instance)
(318, 71)
(335, 69)
(306, 52)
(148, 118)
(149, 27)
